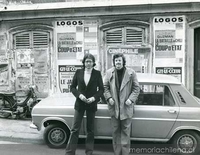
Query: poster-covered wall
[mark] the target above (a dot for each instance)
(74, 38)
(32, 68)
(169, 46)
(4, 67)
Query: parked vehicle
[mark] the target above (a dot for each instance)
(164, 112)
(10, 107)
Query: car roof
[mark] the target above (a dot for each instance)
(157, 78)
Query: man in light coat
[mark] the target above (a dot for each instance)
(121, 89)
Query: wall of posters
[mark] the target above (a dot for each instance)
(66, 73)
(169, 42)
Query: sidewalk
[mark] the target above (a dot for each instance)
(19, 131)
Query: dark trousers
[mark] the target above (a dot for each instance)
(73, 139)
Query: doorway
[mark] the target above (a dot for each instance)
(197, 62)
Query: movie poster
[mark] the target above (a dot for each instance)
(66, 73)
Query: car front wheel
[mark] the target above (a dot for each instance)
(187, 142)
(56, 135)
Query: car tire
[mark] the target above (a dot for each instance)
(186, 142)
(56, 135)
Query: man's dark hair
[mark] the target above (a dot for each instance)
(117, 55)
(88, 56)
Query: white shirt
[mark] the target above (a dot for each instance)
(87, 75)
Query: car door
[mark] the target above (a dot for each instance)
(155, 113)
(103, 121)
(102, 124)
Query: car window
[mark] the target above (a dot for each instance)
(155, 95)
(102, 100)
(168, 98)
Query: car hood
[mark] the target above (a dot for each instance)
(58, 99)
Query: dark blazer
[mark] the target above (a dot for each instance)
(93, 89)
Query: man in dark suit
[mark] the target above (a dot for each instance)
(87, 87)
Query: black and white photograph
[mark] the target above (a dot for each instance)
(100, 77)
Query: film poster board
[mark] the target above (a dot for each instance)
(66, 74)
(169, 42)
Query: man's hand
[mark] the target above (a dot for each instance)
(90, 100)
(128, 102)
(83, 98)
(111, 101)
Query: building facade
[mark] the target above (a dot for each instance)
(43, 44)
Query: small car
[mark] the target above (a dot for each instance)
(165, 111)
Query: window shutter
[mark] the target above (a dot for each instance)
(40, 39)
(32, 39)
(22, 40)
(134, 35)
(114, 36)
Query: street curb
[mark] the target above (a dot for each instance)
(19, 131)
(21, 140)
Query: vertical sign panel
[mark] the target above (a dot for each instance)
(169, 43)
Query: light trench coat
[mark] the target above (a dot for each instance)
(129, 90)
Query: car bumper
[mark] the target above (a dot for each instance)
(33, 126)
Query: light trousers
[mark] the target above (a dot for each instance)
(121, 135)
